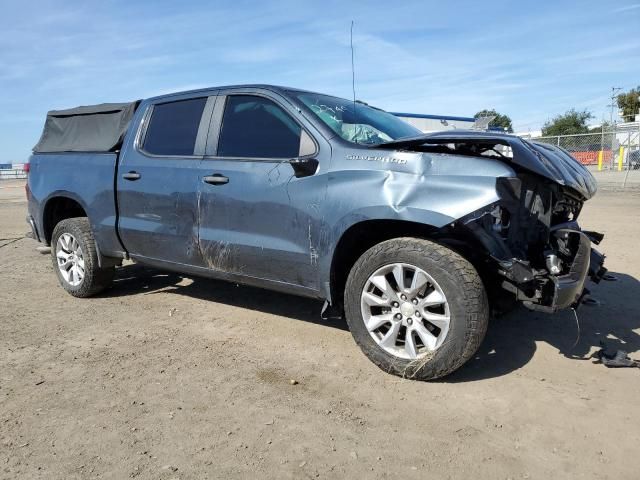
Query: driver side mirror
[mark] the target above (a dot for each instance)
(305, 164)
(304, 167)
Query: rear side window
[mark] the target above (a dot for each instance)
(173, 127)
(255, 127)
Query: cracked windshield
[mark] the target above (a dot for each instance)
(359, 122)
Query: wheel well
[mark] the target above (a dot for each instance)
(56, 210)
(362, 236)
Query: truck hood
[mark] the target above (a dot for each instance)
(548, 161)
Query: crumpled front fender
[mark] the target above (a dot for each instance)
(424, 197)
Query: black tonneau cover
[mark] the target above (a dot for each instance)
(93, 128)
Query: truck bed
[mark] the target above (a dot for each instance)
(86, 178)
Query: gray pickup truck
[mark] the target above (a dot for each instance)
(414, 238)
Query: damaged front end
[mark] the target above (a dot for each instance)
(532, 235)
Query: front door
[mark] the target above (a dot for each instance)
(257, 219)
(158, 178)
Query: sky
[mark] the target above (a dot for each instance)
(529, 60)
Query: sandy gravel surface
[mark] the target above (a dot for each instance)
(166, 376)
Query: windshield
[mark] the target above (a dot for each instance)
(357, 123)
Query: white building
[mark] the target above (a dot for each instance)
(435, 123)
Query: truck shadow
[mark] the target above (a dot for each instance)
(510, 342)
(137, 279)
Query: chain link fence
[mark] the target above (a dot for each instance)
(612, 154)
(612, 149)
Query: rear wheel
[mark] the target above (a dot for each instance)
(75, 260)
(416, 308)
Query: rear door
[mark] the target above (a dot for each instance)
(158, 178)
(257, 219)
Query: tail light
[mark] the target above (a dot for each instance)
(26, 168)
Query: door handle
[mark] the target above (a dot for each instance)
(132, 176)
(216, 179)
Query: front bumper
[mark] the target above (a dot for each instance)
(544, 268)
(543, 291)
(568, 288)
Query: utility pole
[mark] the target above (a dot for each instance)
(613, 104)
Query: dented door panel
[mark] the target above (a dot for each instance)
(263, 223)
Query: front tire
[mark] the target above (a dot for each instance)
(75, 259)
(416, 308)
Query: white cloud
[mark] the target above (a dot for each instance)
(69, 61)
(626, 8)
(176, 89)
(251, 54)
(425, 57)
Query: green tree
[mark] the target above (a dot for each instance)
(629, 103)
(501, 121)
(569, 123)
(605, 126)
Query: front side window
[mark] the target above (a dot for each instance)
(255, 127)
(173, 127)
(357, 123)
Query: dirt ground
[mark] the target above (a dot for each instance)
(166, 376)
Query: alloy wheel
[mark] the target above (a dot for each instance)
(405, 311)
(70, 259)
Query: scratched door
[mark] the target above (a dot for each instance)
(158, 177)
(255, 217)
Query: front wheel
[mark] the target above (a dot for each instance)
(75, 260)
(416, 308)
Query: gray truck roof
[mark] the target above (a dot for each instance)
(274, 88)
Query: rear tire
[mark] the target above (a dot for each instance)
(441, 294)
(75, 259)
